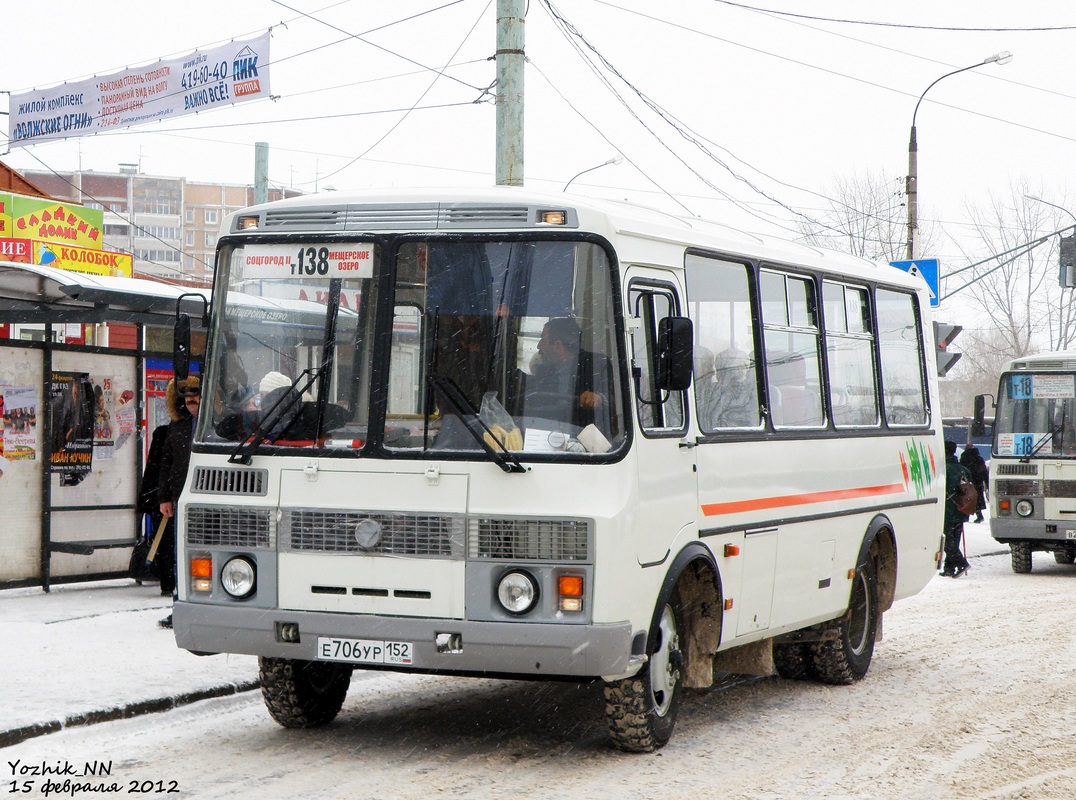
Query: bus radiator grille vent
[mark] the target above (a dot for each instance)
(373, 533)
(1018, 469)
(303, 219)
(213, 480)
(1060, 489)
(227, 526)
(530, 539)
(1018, 488)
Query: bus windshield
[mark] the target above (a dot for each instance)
(489, 347)
(1036, 415)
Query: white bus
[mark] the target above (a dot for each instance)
(548, 437)
(1033, 462)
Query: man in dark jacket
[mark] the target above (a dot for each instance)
(980, 475)
(955, 562)
(183, 401)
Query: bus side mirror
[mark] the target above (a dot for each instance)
(181, 347)
(978, 419)
(675, 360)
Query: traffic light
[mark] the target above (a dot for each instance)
(1067, 278)
(943, 337)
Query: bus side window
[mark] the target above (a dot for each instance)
(790, 322)
(901, 348)
(726, 373)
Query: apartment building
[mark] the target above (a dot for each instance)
(169, 225)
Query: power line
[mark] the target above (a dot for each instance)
(906, 25)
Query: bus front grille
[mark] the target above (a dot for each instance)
(530, 539)
(215, 480)
(225, 526)
(1018, 469)
(1015, 488)
(372, 533)
(1060, 489)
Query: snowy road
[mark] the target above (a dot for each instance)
(969, 696)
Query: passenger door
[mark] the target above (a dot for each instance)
(666, 491)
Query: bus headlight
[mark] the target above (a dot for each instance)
(237, 577)
(517, 591)
(1024, 508)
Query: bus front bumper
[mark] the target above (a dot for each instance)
(436, 645)
(1012, 529)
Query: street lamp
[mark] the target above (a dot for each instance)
(615, 160)
(912, 190)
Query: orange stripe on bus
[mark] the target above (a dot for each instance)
(715, 509)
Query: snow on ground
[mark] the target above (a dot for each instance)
(968, 697)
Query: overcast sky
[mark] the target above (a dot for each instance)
(770, 108)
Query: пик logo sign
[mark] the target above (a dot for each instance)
(245, 72)
(917, 467)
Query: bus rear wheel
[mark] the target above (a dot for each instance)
(641, 710)
(844, 658)
(1021, 557)
(303, 694)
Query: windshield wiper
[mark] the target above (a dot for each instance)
(1041, 442)
(468, 414)
(277, 418)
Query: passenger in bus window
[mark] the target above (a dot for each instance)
(735, 402)
(570, 384)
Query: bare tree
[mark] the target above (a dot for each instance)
(865, 215)
(1015, 281)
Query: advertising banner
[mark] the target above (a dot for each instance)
(200, 81)
(71, 426)
(18, 434)
(53, 221)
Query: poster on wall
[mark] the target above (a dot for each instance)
(124, 420)
(113, 416)
(103, 441)
(18, 435)
(71, 426)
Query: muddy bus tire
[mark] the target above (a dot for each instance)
(1021, 557)
(794, 661)
(303, 694)
(1065, 554)
(641, 710)
(845, 658)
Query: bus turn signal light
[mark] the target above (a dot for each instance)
(732, 550)
(201, 567)
(570, 589)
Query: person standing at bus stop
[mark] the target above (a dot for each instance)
(955, 562)
(183, 400)
(980, 475)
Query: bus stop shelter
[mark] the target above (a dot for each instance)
(63, 521)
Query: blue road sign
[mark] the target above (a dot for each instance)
(928, 268)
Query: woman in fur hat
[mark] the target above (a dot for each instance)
(183, 402)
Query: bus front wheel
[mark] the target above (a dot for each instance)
(303, 694)
(844, 658)
(641, 710)
(1021, 557)
(1065, 554)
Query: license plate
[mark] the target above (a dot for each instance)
(1070, 534)
(363, 651)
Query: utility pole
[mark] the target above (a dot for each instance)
(510, 59)
(261, 172)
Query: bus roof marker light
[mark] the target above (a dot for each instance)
(553, 217)
(246, 223)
